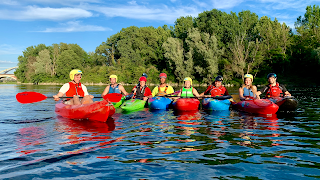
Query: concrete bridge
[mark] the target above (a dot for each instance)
(3, 74)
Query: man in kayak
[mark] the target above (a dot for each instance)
(188, 90)
(142, 91)
(248, 91)
(163, 88)
(114, 87)
(74, 89)
(217, 89)
(273, 89)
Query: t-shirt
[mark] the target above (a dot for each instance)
(66, 87)
(156, 90)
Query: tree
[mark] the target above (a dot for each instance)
(43, 63)
(67, 61)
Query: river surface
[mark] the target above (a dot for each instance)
(35, 143)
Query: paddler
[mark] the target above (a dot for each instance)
(217, 89)
(163, 88)
(142, 91)
(273, 89)
(188, 90)
(114, 87)
(74, 89)
(248, 91)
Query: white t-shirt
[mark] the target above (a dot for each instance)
(66, 87)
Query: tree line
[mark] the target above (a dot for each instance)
(214, 43)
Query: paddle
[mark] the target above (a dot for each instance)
(216, 97)
(31, 97)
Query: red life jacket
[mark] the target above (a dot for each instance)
(274, 91)
(217, 91)
(75, 89)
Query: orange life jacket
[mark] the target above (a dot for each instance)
(274, 91)
(75, 89)
(162, 93)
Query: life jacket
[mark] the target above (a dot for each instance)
(162, 93)
(140, 92)
(75, 89)
(247, 93)
(217, 91)
(274, 91)
(187, 92)
(114, 89)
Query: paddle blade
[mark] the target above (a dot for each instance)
(113, 97)
(30, 97)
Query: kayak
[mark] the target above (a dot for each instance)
(133, 104)
(285, 103)
(216, 104)
(159, 102)
(186, 104)
(257, 106)
(97, 111)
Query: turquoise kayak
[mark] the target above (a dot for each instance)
(159, 102)
(216, 104)
(133, 104)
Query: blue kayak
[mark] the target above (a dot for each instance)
(159, 102)
(215, 104)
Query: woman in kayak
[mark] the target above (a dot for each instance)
(274, 89)
(142, 91)
(217, 89)
(163, 88)
(188, 90)
(114, 87)
(74, 89)
(248, 91)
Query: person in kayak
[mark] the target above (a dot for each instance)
(74, 89)
(142, 91)
(163, 88)
(188, 90)
(273, 89)
(248, 91)
(217, 89)
(114, 87)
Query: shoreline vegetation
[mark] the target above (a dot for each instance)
(213, 43)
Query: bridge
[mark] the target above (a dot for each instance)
(3, 74)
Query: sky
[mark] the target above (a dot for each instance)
(88, 23)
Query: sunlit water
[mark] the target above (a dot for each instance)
(36, 143)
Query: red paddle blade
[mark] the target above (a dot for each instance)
(113, 97)
(30, 97)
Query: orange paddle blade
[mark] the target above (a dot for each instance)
(30, 97)
(113, 97)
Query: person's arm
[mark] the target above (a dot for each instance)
(263, 90)
(121, 88)
(155, 91)
(61, 92)
(84, 88)
(254, 91)
(147, 94)
(170, 90)
(206, 91)
(226, 93)
(195, 92)
(286, 92)
(241, 94)
(106, 91)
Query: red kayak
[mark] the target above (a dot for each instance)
(97, 111)
(186, 104)
(257, 106)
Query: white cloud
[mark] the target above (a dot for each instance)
(7, 62)
(9, 2)
(162, 13)
(200, 3)
(225, 4)
(6, 49)
(75, 26)
(132, 2)
(47, 13)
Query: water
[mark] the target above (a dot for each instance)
(35, 143)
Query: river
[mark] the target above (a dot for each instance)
(35, 143)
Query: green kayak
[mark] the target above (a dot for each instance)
(133, 104)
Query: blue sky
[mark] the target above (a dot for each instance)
(88, 23)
